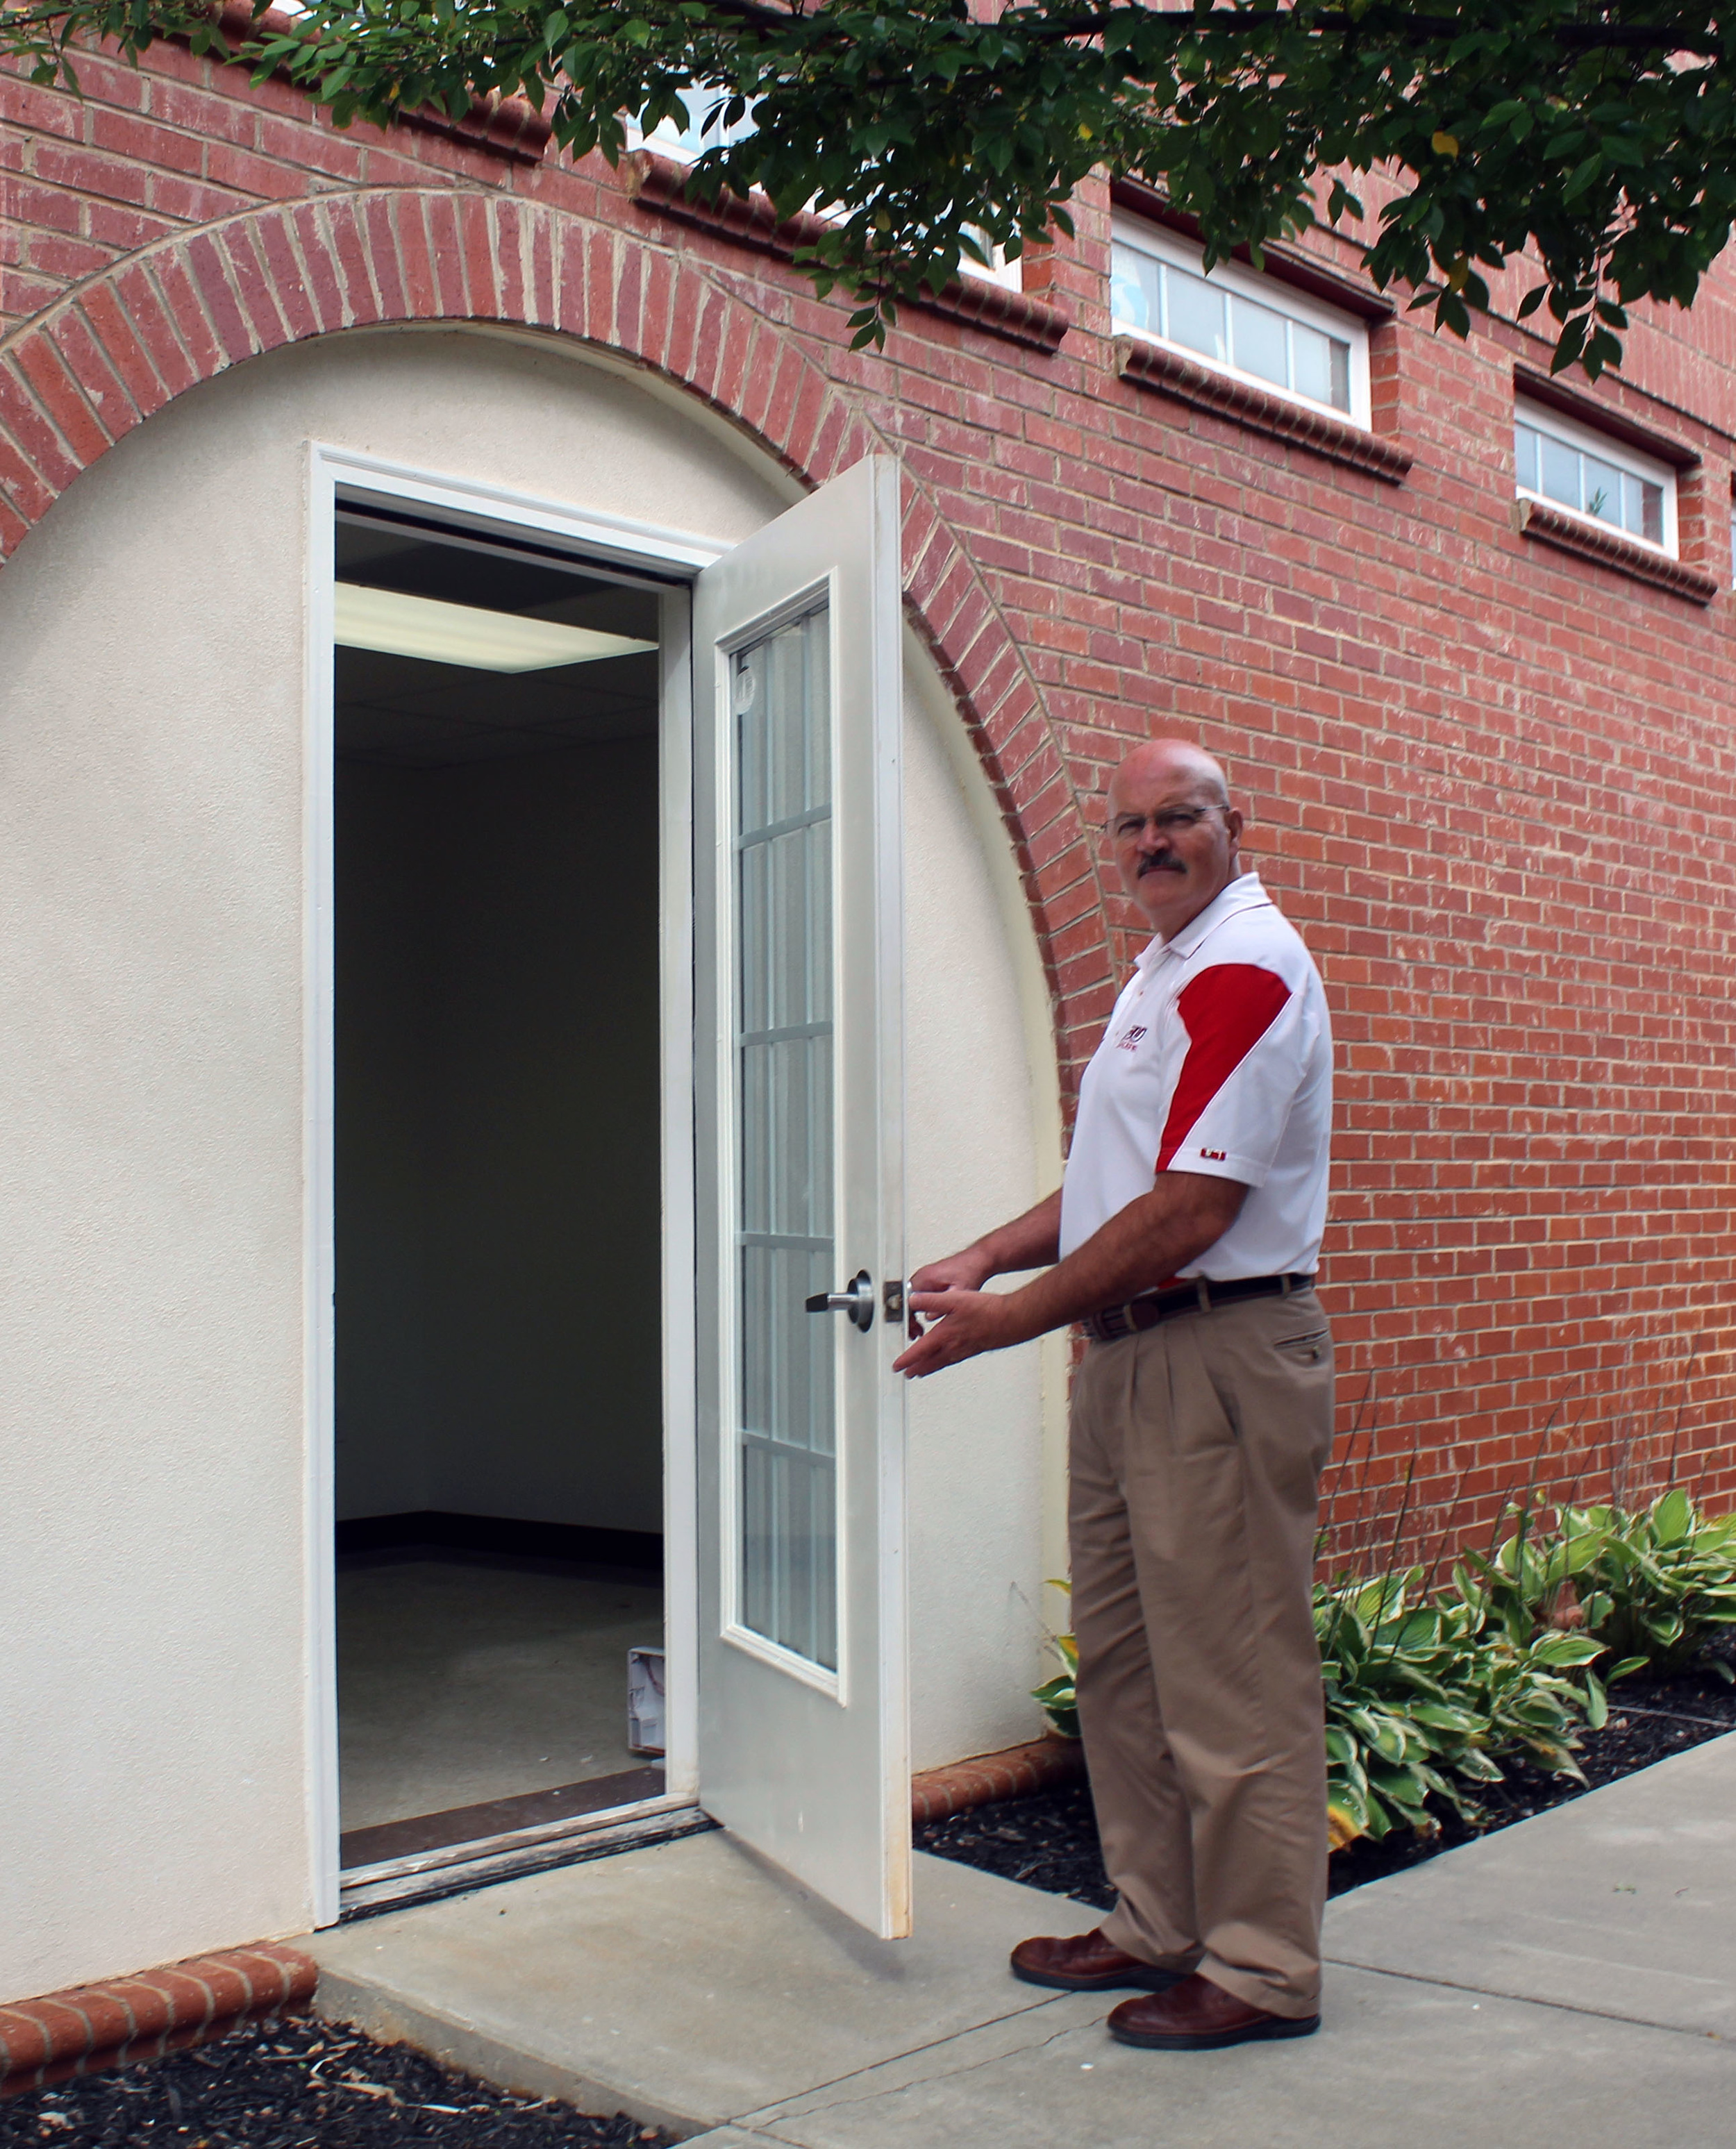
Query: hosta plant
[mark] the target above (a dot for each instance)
(1653, 1585)
(1425, 1693)
(1057, 1695)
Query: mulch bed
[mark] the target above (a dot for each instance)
(1050, 1841)
(298, 2083)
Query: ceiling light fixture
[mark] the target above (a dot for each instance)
(396, 624)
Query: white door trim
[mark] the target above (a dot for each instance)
(608, 539)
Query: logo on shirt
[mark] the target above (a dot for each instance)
(1216, 1155)
(1128, 1041)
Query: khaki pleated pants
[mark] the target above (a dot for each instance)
(1196, 1451)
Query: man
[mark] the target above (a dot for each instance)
(1185, 1238)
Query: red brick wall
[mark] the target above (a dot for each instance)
(1492, 780)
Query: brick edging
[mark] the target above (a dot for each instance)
(1166, 372)
(1611, 548)
(660, 184)
(1014, 1773)
(140, 2018)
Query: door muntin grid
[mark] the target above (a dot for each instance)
(781, 709)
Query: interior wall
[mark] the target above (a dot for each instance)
(382, 961)
(161, 1509)
(497, 1139)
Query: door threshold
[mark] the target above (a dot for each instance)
(456, 1869)
(386, 1843)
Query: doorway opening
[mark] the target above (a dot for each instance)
(498, 1407)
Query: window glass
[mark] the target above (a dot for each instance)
(1559, 465)
(690, 140)
(1157, 297)
(1262, 347)
(1136, 297)
(786, 1251)
(1559, 469)
(687, 138)
(1312, 363)
(1194, 314)
(1601, 484)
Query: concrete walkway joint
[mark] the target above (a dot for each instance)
(1570, 1979)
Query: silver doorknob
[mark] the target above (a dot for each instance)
(857, 1299)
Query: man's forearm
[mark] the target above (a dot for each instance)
(1142, 1245)
(1030, 1242)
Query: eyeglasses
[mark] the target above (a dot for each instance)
(1169, 821)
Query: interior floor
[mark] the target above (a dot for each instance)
(463, 1680)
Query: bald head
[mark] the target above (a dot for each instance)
(1174, 832)
(1179, 760)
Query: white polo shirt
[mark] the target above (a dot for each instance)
(1217, 1059)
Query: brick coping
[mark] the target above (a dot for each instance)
(141, 2018)
(124, 2018)
(1166, 372)
(660, 184)
(1613, 548)
(1016, 1772)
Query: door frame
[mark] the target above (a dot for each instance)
(335, 475)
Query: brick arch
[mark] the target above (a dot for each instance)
(77, 378)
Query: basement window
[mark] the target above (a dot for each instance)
(1237, 321)
(687, 143)
(1567, 464)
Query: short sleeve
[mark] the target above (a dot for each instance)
(1244, 1061)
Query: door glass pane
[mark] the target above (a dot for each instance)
(782, 703)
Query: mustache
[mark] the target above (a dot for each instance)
(1167, 863)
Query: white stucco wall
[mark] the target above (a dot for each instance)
(982, 1142)
(154, 1755)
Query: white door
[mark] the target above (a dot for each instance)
(803, 1745)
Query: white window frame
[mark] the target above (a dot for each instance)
(687, 147)
(681, 149)
(1632, 462)
(1176, 252)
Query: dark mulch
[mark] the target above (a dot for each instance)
(299, 2084)
(1050, 1841)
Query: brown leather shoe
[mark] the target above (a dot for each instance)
(1085, 1962)
(1195, 2016)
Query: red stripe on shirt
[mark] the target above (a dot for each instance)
(1226, 1012)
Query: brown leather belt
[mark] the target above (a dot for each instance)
(1197, 1296)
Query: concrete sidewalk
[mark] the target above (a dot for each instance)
(1570, 1981)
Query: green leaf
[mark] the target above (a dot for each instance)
(1443, 1719)
(1583, 173)
(1566, 1649)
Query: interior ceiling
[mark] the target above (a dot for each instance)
(408, 713)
